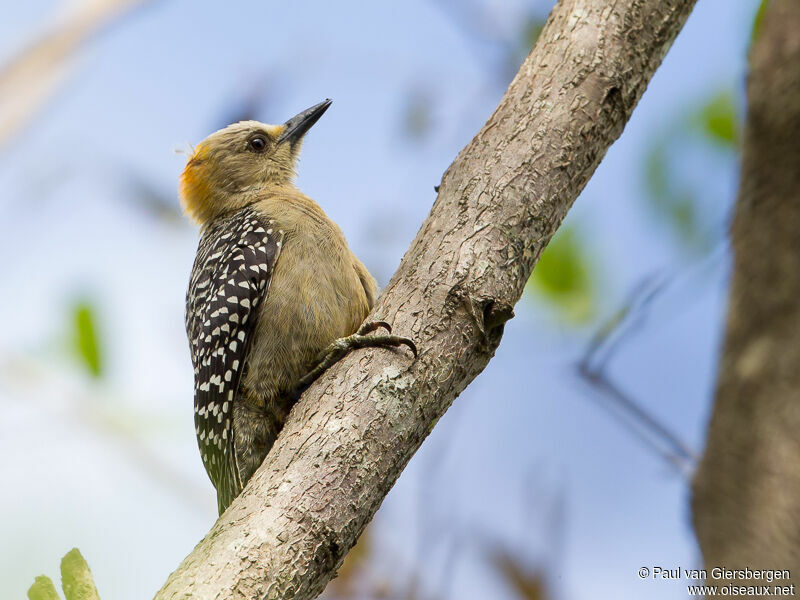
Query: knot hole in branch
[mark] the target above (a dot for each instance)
(488, 314)
(495, 314)
(614, 105)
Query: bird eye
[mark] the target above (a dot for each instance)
(258, 143)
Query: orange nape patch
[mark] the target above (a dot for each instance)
(194, 190)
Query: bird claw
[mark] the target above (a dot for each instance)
(339, 348)
(386, 341)
(383, 340)
(370, 326)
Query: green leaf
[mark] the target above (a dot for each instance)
(655, 170)
(85, 342)
(757, 22)
(673, 200)
(716, 119)
(76, 581)
(417, 117)
(562, 276)
(676, 196)
(528, 584)
(518, 48)
(42, 589)
(76, 578)
(533, 29)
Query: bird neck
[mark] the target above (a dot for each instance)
(294, 210)
(205, 203)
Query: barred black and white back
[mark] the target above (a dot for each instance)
(230, 278)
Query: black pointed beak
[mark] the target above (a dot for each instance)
(296, 127)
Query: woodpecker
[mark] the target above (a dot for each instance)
(275, 296)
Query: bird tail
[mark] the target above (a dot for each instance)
(230, 486)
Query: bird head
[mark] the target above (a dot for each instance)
(228, 167)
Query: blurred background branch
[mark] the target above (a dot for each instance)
(31, 78)
(746, 494)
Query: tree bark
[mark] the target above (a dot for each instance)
(746, 496)
(499, 203)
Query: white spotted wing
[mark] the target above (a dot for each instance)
(235, 260)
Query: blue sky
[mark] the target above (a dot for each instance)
(526, 457)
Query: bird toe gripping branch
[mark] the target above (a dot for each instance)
(339, 348)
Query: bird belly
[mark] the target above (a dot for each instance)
(311, 301)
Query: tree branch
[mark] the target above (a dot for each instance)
(746, 494)
(353, 432)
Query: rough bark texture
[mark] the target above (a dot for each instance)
(499, 203)
(746, 500)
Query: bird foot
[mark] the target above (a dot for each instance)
(360, 339)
